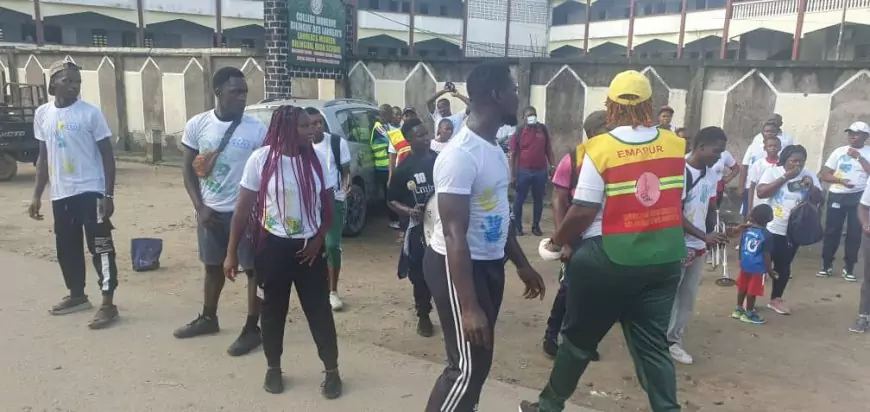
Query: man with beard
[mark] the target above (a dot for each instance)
(217, 144)
(464, 265)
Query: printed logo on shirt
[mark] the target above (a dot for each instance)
(487, 200)
(491, 226)
(241, 143)
(751, 245)
(648, 189)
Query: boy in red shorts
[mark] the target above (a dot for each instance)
(756, 244)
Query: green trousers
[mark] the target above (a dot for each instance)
(333, 236)
(600, 293)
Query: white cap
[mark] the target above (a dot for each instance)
(859, 127)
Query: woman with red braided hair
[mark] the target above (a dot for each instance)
(288, 200)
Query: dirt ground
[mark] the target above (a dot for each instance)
(805, 362)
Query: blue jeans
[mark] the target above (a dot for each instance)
(537, 181)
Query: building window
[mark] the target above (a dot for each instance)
(149, 40)
(627, 12)
(695, 55)
(442, 53)
(424, 8)
(374, 4)
(249, 44)
(406, 7)
(662, 8)
(709, 55)
(423, 53)
(394, 5)
(1, 34)
(647, 9)
(53, 34)
(392, 51)
(700, 4)
(372, 51)
(442, 10)
(99, 38)
(602, 14)
(404, 51)
(128, 39)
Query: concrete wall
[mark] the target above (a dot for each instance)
(148, 92)
(817, 100)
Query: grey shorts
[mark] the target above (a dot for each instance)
(213, 241)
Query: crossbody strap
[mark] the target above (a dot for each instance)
(228, 135)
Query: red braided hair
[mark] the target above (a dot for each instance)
(284, 139)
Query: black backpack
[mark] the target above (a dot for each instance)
(805, 225)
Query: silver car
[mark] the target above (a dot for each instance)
(353, 120)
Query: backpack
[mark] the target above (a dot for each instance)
(335, 144)
(805, 225)
(690, 184)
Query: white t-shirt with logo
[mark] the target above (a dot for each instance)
(472, 166)
(294, 223)
(786, 198)
(754, 175)
(204, 133)
(332, 173)
(71, 133)
(726, 160)
(458, 120)
(845, 167)
(697, 203)
(590, 184)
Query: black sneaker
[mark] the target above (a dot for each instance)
(526, 406)
(247, 341)
(274, 382)
(202, 325)
(71, 304)
(537, 231)
(551, 347)
(425, 327)
(331, 386)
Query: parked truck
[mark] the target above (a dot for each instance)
(18, 103)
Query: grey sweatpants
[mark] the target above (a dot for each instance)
(864, 306)
(684, 300)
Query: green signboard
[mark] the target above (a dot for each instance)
(316, 32)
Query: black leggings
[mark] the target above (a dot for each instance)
(783, 254)
(277, 268)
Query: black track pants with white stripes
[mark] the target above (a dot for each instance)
(459, 386)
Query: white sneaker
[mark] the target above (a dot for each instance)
(335, 301)
(680, 355)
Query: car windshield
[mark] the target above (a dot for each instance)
(263, 114)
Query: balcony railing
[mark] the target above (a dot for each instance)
(769, 8)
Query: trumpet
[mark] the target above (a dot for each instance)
(720, 254)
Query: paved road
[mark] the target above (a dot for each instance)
(57, 364)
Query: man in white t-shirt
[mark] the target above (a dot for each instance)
(846, 170)
(440, 109)
(227, 136)
(699, 216)
(755, 151)
(338, 172)
(75, 155)
(464, 266)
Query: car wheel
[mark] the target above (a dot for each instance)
(8, 167)
(356, 204)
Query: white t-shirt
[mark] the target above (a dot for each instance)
(332, 173)
(756, 151)
(204, 133)
(458, 120)
(845, 167)
(754, 175)
(472, 166)
(590, 184)
(726, 160)
(784, 200)
(294, 223)
(437, 146)
(697, 203)
(71, 134)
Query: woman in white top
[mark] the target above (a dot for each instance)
(289, 202)
(784, 187)
(846, 170)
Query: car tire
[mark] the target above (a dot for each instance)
(8, 167)
(356, 205)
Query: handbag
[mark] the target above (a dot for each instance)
(145, 254)
(203, 163)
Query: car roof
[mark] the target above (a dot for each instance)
(320, 104)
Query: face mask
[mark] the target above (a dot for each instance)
(531, 120)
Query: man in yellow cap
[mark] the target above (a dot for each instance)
(628, 205)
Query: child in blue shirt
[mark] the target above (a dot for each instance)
(756, 245)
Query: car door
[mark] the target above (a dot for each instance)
(356, 126)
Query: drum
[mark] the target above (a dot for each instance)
(430, 218)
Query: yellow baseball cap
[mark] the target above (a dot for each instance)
(629, 88)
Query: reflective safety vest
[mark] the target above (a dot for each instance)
(379, 147)
(642, 219)
(403, 148)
